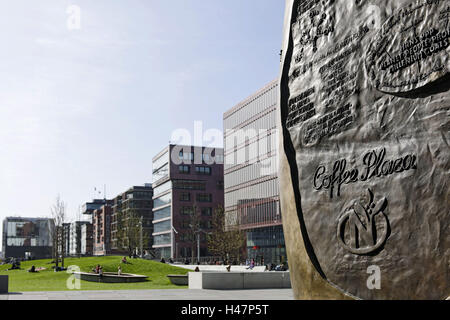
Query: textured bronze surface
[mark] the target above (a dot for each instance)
(365, 170)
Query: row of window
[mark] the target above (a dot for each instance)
(207, 211)
(140, 195)
(200, 197)
(198, 170)
(189, 184)
(205, 157)
(205, 225)
(191, 237)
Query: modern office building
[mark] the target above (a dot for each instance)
(251, 182)
(101, 218)
(135, 201)
(186, 179)
(76, 237)
(27, 238)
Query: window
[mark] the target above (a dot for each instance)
(204, 197)
(203, 170)
(162, 239)
(185, 196)
(161, 173)
(187, 211)
(162, 226)
(189, 184)
(162, 188)
(186, 155)
(184, 169)
(206, 225)
(207, 212)
(219, 159)
(162, 214)
(206, 157)
(162, 201)
(220, 185)
(185, 224)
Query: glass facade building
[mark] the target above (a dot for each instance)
(250, 174)
(27, 238)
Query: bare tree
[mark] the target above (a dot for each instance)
(224, 241)
(194, 229)
(58, 212)
(130, 233)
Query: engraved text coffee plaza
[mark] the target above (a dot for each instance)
(375, 166)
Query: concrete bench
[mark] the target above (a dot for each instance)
(213, 268)
(3, 284)
(239, 280)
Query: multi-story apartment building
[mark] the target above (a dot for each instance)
(66, 239)
(27, 238)
(89, 207)
(76, 237)
(135, 201)
(102, 229)
(251, 182)
(87, 239)
(186, 179)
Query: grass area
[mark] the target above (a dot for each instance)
(48, 280)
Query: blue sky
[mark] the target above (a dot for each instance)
(80, 108)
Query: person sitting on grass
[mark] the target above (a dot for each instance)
(15, 265)
(124, 260)
(32, 269)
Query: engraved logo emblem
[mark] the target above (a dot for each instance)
(363, 229)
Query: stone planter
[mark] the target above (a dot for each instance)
(3, 284)
(178, 279)
(109, 277)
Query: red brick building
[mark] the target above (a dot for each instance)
(101, 221)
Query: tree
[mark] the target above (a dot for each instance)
(130, 231)
(194, 229)
(224, 241)
(58, 213)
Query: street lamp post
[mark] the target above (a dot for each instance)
(174, 243)
(141, 238)
(198, 247)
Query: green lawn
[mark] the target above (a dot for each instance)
(48, 280)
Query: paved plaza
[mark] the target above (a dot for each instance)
(169, 294)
